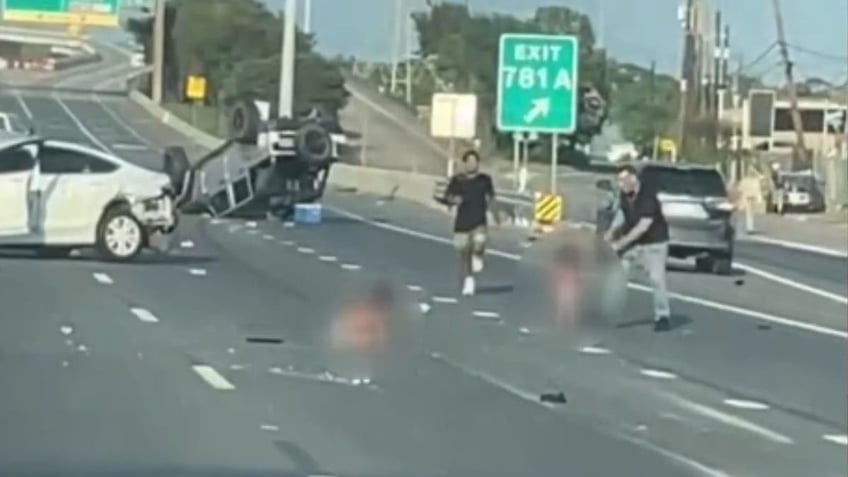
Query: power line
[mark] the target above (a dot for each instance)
(762, 56)
(820, 54)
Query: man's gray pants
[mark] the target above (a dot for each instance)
(652, 259)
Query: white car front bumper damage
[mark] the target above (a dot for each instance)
(157, 214)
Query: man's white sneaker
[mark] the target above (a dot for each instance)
(468, 286)
(476, 263)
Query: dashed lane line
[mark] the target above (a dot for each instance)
(351, 267)
(729, 419)
(144, 315)
(746, 404)
(213, 377)
(840, 439)
(102, 278)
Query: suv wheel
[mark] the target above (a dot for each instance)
(120, 236)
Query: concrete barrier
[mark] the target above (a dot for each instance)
(206, 140)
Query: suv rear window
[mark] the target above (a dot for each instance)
(694, 182)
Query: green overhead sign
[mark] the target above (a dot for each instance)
(84, 12)
(537, 83)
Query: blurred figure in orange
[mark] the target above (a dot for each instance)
(363, 324)
(567, 284)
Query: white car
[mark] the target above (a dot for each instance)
(57, 196)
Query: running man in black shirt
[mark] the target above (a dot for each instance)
(472, 192)
(639, 233)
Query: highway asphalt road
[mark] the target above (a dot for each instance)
(216, 359)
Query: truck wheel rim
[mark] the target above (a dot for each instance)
(123, 236)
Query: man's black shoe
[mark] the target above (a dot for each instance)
(662, 324)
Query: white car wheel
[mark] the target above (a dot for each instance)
(120, 235)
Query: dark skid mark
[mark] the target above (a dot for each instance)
(300, 458)
(264, 340)
(554, 398)
(495, 289)
(676, 321)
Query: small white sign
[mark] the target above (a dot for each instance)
(453, 116)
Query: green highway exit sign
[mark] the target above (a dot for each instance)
(537, 83)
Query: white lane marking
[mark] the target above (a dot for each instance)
(197, 272)
(288, 243)
(187, 244)
(594, 350)
(144, 315)
(66, 330)
(823, 330)
(120, 146)
(635, 286)
(657, 373)
(80, 125)
(216, 221)
(445, 300)
(797, 246)
(213, 377)
(840, 439)
(729, 419)
(251, 225)
(24, 106)
(525, 395)
(485, 314)
(115, 117)
(103, 278)
(351, 266)
(792, 283)
(269, 427)
(268, 237)
(424, 308)
(699, 467)
(328, 258)
(745, 404)
(414, 288)
(306, 250)
(252, 232)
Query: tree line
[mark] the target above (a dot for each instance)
(235, 45)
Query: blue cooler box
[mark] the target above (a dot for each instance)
(307, 214)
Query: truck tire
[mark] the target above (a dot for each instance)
(120, 236)
(313, 143)
(177, 166)
(245, 122)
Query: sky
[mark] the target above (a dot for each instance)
(634, 30)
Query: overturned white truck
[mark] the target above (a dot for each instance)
(264, 167)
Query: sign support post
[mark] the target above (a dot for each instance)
(538, 90)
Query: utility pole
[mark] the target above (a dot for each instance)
(285, 104)
(396, 45)
(307, 17)
(801, 148)
(686, 67)
(158, 52)
(408, 80)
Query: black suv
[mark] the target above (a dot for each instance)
(696, 206)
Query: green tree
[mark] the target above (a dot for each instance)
(464, 49)
(235, 44)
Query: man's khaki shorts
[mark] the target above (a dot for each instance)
(475, 240)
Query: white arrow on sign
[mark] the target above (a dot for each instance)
(541, 108)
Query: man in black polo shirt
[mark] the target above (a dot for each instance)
(639, 233)
(472, 192)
